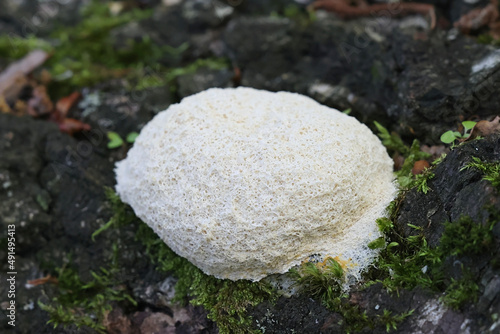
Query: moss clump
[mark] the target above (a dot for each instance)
(325, 283)
(490, 170)
(411, 154)
(84, 55)
(391, 321)
(226, 301)
(466, 237)
(461, 291)
(86, 303)
(407, 262)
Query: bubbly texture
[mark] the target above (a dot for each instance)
(245, 183)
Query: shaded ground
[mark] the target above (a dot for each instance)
(416, 82)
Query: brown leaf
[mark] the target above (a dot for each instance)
(345, 10)
(116, 322)
(4, 107)
(66, 103)
(485, 128)
(435, 151)
(420, 166)
(71, 125)
(43, 280)
(477, 18)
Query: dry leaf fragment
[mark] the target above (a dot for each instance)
(4, 107)
(361, 8)
(43, 280)
(420, 166)
(71, 126)
(485, 128)
(477, 18)
(66, 103)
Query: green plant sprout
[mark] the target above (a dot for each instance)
(115, 140)
(450, 136)
(412, 154)
(407, 262)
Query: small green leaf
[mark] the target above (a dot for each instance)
(383, 131)
(468, 125)
(377, 243)
(347, 111)
(448, 137)
(392, 244)
(115, 140)
(131, 137)
(415, 227)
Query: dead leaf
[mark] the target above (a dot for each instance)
(43, 280)
(485, 128)
(116, 322)
(4, 107)
(71, 125)
(66, 103)
(420, 166)
(477, 18)
(361, 8)
(435, 150)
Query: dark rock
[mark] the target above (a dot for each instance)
(424, 83)
(203, 79)
(459, 8)
(39, 18)
(302, 314)
(261, 7)
(120, 112)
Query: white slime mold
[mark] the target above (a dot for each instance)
(245, 183)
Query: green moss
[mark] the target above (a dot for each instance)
(226, 301)
(122, 213)
(407, 262)
(13, 47)
(325, 283)
(411, 154)
(320, 282)
(299, 15)
(86, 303)
(84, 55)
(461, 291)
(490, 170)
(465, 236)
(391, 141)
(420, 181)
(391, 321)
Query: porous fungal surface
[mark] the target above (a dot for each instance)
(245, 183)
